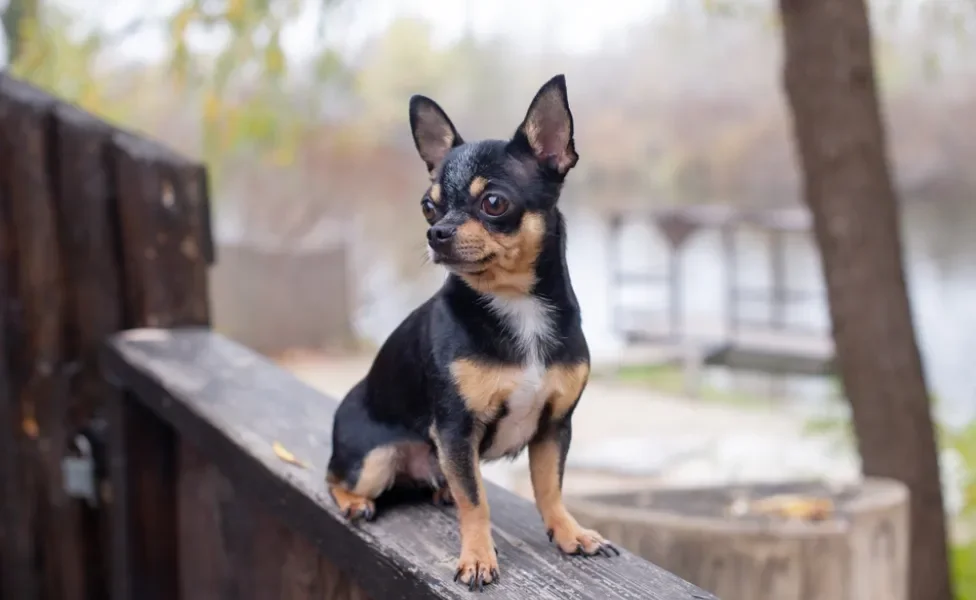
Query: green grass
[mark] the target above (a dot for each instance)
(964, 570)
(669, 379)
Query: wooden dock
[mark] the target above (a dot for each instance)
(771, 344)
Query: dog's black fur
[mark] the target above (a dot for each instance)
(496, 360)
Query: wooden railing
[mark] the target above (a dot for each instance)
(106, 236)
(255, 526)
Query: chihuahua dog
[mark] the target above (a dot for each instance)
(495, 362)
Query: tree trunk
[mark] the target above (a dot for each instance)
(830, 86)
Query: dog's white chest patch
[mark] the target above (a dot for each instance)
(529, 322)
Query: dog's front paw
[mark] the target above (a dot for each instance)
(477, 567)
(576, 541)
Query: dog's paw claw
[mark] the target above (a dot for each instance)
(477, 569)
(576, 541)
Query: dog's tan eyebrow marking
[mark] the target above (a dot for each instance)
(435, 193)
(478, 185)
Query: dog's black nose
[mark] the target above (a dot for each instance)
(439, 236)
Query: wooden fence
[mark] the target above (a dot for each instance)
(143, 467)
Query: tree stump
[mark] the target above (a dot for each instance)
(793, 541)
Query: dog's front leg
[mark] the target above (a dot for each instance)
(547, 461)
(458, 454)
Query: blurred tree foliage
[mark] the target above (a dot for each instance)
(238, 82)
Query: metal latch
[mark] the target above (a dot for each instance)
(78, 472)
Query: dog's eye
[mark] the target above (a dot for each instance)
(494, 206)
(430, 212)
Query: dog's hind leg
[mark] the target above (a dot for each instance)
(369, 457)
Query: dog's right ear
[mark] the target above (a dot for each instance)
(433, 133)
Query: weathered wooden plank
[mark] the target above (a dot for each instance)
(8, 417)
(49, 527)
(241, 551)
(205, 226)
(17, 576)
(92, 271)
(234, 404)
(88, 226)
(144, 506)
(161, 219)
(159, 198)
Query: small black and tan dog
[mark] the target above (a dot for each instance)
(495, 361)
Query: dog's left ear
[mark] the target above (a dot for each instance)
(433, 133)
(548, 127)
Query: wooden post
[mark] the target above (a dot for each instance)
(165, 242)
(10, 582)
(46, 522)
(613, 268)
(778, 298)
(675, 308)
(89, 243)
(731, 282)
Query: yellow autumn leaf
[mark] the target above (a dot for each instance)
(795, 507)
(283, 453)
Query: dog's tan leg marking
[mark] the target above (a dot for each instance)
(478, 563)
(563, 529)
(565, 384)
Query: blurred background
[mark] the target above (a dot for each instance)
(299, 108)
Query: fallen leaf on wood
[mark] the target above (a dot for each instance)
(795, 507)
(283, 453)
(30, 428)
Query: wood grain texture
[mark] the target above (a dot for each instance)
(243, 552)
(233, 405)
(9, 585)
(163, 247)
(160, 195)
(48, 529)
(88, 236)
(858, 552)
(19, 577)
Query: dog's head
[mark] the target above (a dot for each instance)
(489, 202)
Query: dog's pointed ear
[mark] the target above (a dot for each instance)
(433, 133)
(548, 127)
